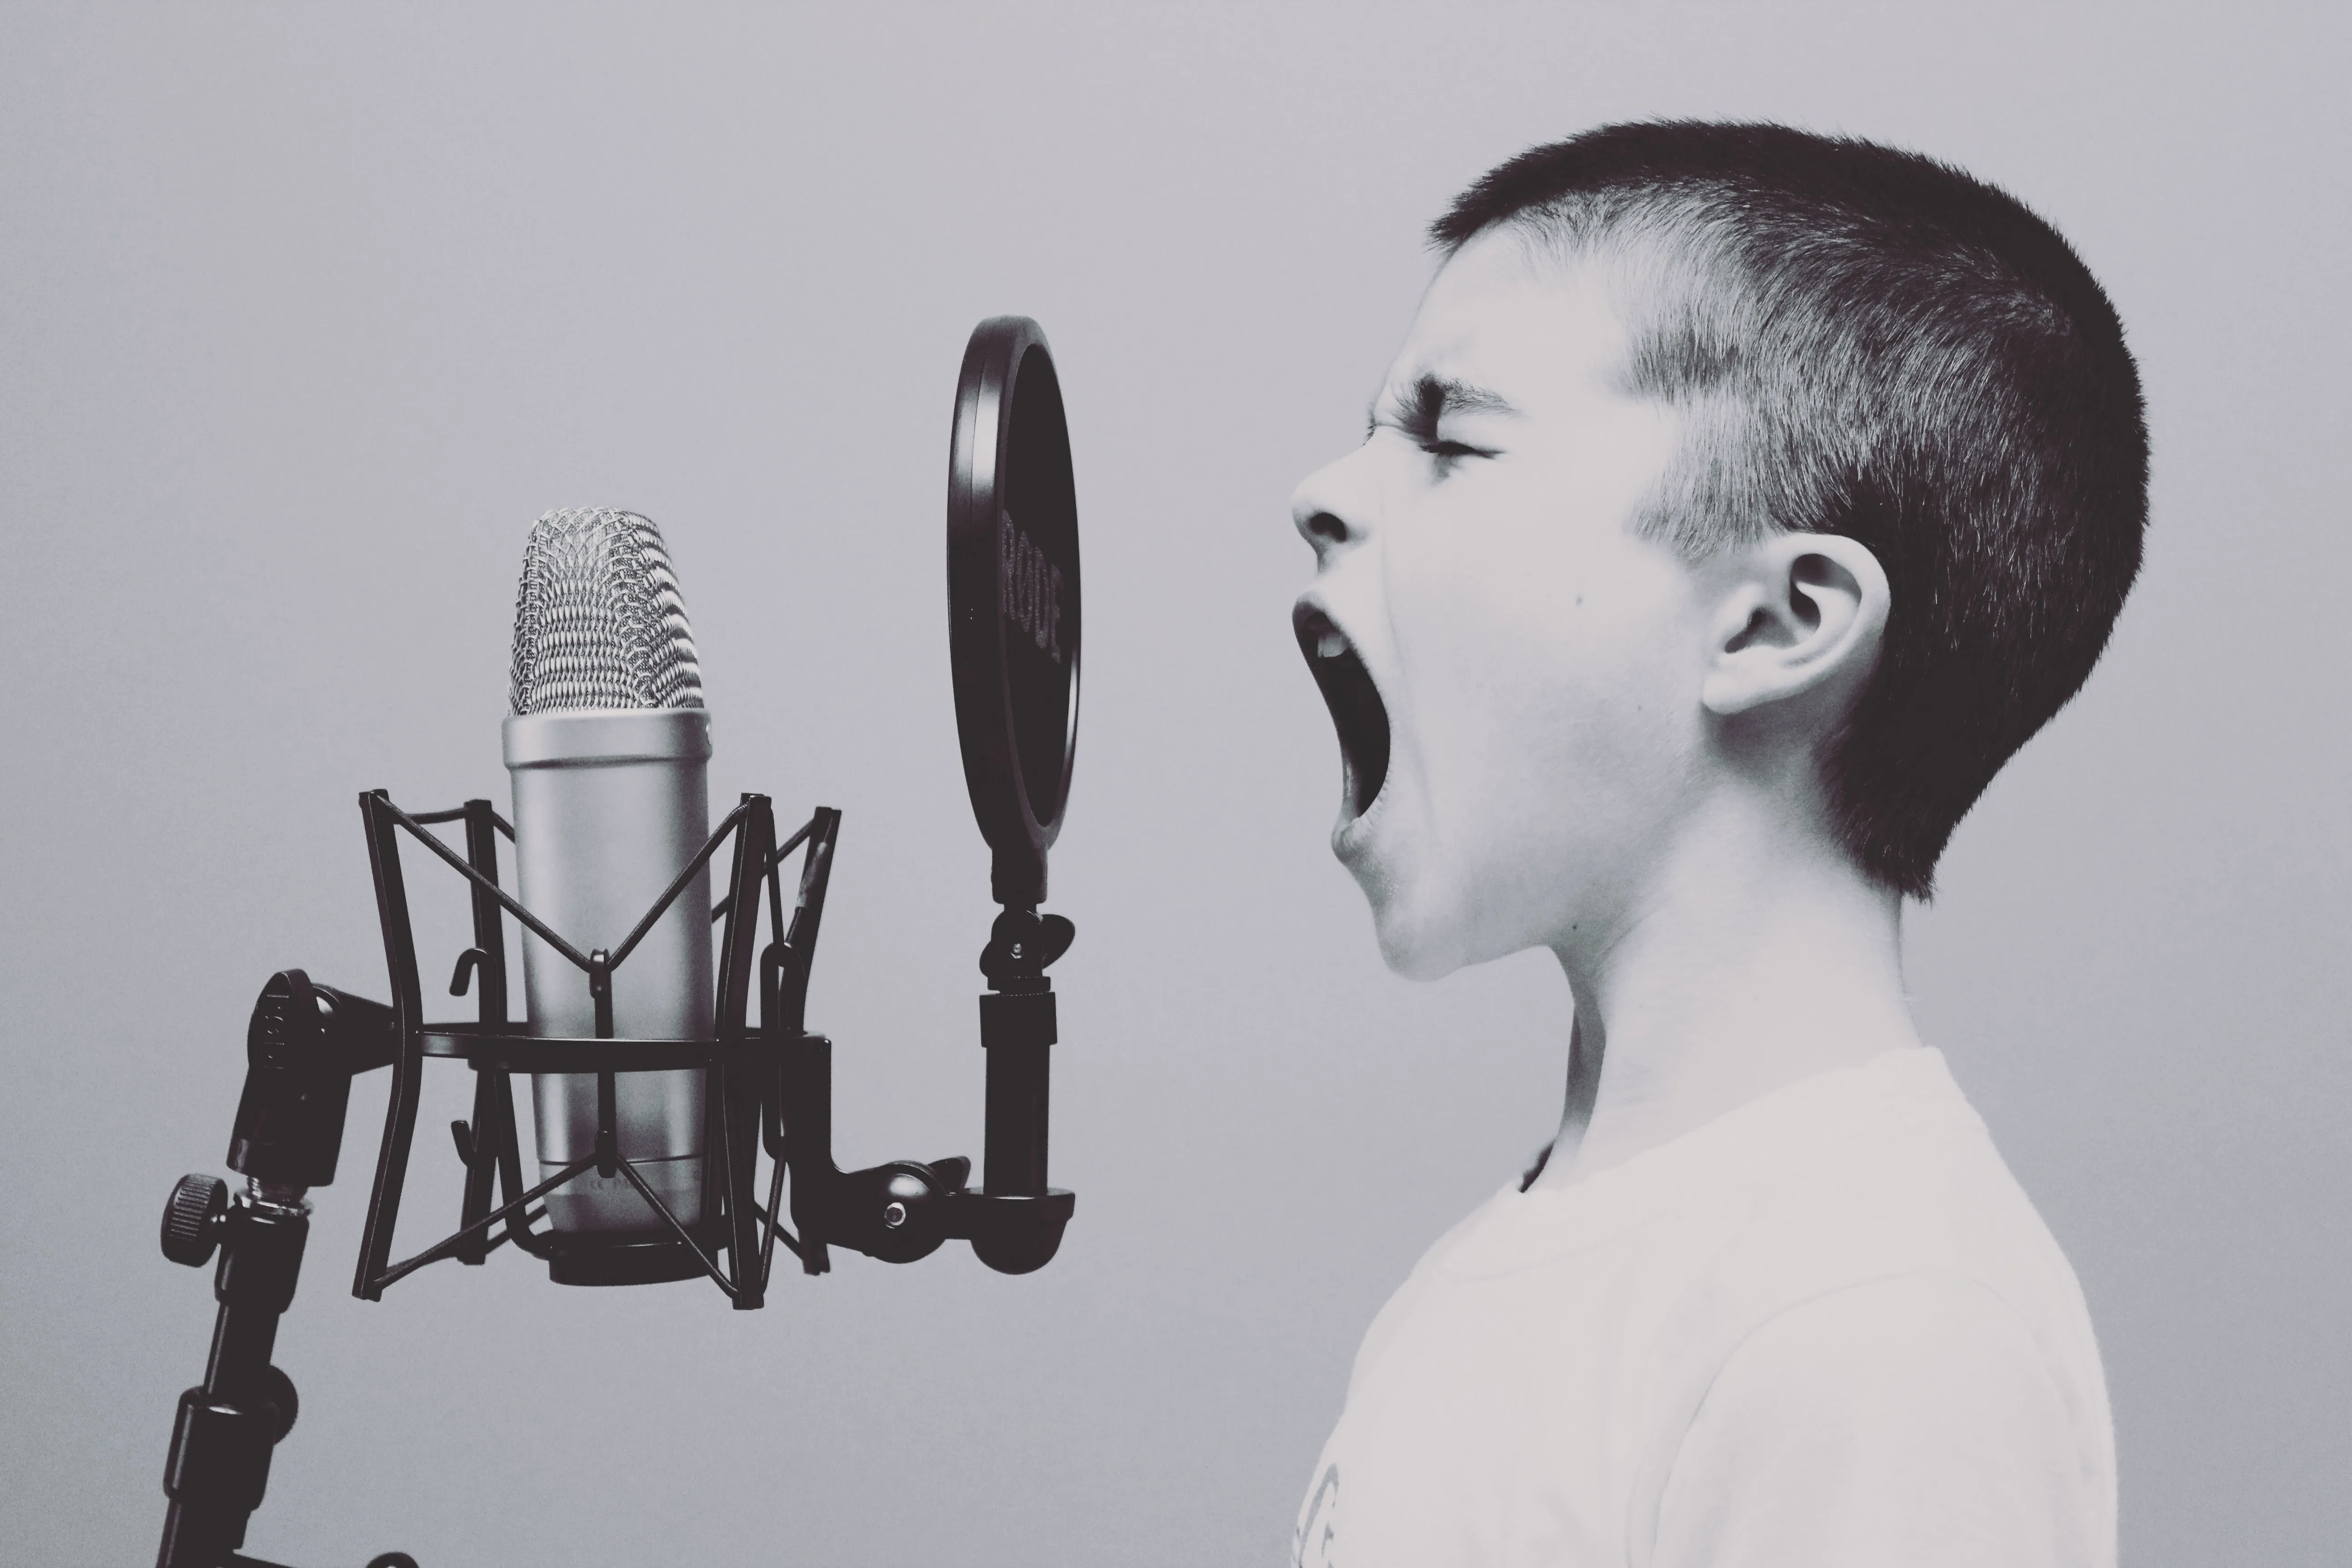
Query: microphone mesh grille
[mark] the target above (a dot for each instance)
(598, 619)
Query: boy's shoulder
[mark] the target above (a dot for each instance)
(1880, 1169)
(1880, 1302)
(1866, 1171)
(1831, 1239)
(1874, 1172)
(1880, 1173)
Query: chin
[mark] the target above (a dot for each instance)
(1415, 960)
(1430, 925)
(1417, 942)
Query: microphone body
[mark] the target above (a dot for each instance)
(608, 805)
(609, 750)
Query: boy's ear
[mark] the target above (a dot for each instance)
(1799, 613)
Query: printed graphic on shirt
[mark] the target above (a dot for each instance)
(1318, 1524)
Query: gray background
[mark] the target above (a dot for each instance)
(305, 313)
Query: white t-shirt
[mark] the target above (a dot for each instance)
(1825, 1330)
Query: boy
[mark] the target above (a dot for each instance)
(1741, 500)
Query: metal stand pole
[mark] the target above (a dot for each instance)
(303, 1046)
(228, 1425)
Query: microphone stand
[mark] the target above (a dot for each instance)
(773, 1087)
(305, 1045)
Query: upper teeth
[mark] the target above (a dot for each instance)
(1331, 644)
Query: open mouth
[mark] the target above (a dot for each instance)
(1356, 712)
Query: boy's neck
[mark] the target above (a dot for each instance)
(1756, 956)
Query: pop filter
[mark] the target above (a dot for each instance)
(1012, 599)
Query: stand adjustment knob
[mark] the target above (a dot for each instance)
(191, 1219)
(278, 1393)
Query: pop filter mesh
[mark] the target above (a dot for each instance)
(599, 623)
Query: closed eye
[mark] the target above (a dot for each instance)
(1445, 455)
(1416, 412)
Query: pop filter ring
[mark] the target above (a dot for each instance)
(1012, 599)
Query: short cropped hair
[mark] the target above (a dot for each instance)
(1872, 343)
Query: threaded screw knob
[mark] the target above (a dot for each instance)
(191, 1219)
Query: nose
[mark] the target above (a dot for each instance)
(1331, 508)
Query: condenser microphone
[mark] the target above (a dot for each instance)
(609, 748)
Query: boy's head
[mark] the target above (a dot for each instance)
(1712, 446)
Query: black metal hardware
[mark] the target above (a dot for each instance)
(306, 1042)
(192, 1220)
(218, 1466)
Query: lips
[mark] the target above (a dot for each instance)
(1356, 712)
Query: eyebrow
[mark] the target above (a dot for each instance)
(1432, 399)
